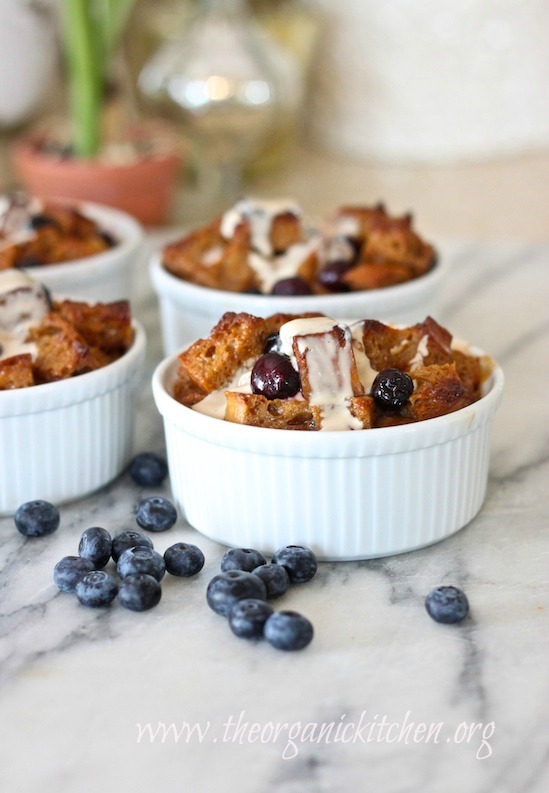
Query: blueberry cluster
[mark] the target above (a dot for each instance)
(240, 593)
(139, 568)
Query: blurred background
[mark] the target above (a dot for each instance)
(433, 106)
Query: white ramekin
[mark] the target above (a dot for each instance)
(62, 440)
(347, 495)
(105, 276)
(188, 311)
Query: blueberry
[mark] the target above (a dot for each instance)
(96, 544)
(288, 287)
(183, 559)
(331, 276)
(225, 589)
(392, 388)
(300, 562)
(95, 589)
(241, 559)
(69, 570)
(275, 577)
(29, 261)
(247, 618)
(141, 560)
(37, 518)
(288, 630)
(40, 221)
(273, 343)
(156, 514)
(148, 469)
(139, 592)
(447, 604)
(274, 377)
(129, 539)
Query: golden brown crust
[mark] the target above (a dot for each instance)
(104, 325)
(257, 411)
(16, 372)
(236, 339)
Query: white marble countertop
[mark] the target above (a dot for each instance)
(76, 683)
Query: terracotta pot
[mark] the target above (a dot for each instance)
(144, 188)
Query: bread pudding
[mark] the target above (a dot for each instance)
(33, 233)
(311, 372)
(266, 247)
(43, 340)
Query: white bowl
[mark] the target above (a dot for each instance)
(63, 440)
(105, 276)
(188, 311)
(347, 495)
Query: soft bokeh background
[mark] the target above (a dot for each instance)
(436, 107)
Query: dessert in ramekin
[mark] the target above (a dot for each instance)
(262, 258)
(263, 479)
(81, 249)
(68, 377)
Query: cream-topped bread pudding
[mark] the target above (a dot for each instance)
(267, 247)
(34, 233)
(43, 340)
(312, 372)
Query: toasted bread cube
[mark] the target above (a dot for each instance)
(235, 340)
(280, 414)
(286, 230)
(197, 257)
(437, 390)
(469, 369)
(374, 275)
(16, 372)
(62, 351)
(327, 366)
(236, 273)
(104, 325)
(408, 348)
(363, 408)
(399, 245)
(364, 219)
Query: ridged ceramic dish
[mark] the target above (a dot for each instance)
(188, 311)
(103, 276)
(63, 440)
(347, 495)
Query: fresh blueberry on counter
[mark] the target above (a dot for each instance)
(288, 630)
(129, 539)
(96, 589)
(37, 518)
(69, 570)
(247, 618)
(141, 560)
(225, 589)
(241, 559)
(183, 559)
(148, 469)
(275, 577)
(300, 562)
(447, 604)
(139, 592)
(156, 514)
(96, 544)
